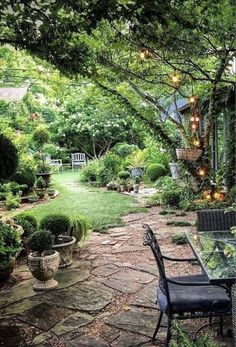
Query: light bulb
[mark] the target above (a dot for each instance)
(192, 119)
(192, 99)
(197, 119)
(194, 127)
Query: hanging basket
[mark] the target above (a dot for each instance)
(188, 154)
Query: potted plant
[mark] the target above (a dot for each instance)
(51, 192)
(10, 247)
(29, 225)
(188, 154)
(43, 262)
(40, 187)
(136, 184)
(33, 198)
(79, 228)
(136, 163)
(123, 176)
(59, 226)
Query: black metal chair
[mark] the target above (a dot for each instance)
(215, 220)
(185, 297)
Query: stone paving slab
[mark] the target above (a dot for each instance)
(72, 323)
(19, 307)
(135, 321)
(129, 249)
(128, 281)
(130, 340)
(44, 316)
(86, 341)
(146, 297)
(12, 336)
(20, 291)
(105, 270)
(88, 296)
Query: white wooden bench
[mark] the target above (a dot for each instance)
(78, 159)
(57, 163)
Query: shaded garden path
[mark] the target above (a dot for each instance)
(106, 298)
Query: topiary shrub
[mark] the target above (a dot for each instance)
(123, 175)
(28, 223)
(41, 135)
(179, 239)
(8, 158)
(40, 241)
(124, 149)
(171, 197)
(155, 171)
(57, 224)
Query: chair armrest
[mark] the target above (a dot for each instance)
(184, 283)
(178, 259)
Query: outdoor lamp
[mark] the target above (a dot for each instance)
(192, 119)
(192, 99)
(175, 78)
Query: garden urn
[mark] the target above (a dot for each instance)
(43, 267)
(65, 248)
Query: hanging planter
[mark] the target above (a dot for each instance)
(188, 154)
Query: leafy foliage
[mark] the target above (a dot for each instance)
(28, 223)
(10, 244)
(12, 201)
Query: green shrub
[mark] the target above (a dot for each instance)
(2, 196)
(123, 175)
(232, 193)
(124, 149)
(10, 244)
(79, 227)
(28, 223)
(8, 158)
(56, 223)
(33, 198)
(90, 172)
(179, 239)
(40, 183)
(40, 241)
(12, 201)
(13, 187)
(26, 175)
(155, 171)
(171, 197)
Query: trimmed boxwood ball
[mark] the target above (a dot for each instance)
(57, 224)
(123, 175)
(41, 135)
(154, 171)
(41, 240)
(8, 158)
(28, 223)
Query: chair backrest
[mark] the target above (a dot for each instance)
(215, 220)
(56, 162)
(150, 240)
(79, 157)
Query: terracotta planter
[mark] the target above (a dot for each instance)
(43, 268)
(188, 154)
(65, 248)
(5, 273)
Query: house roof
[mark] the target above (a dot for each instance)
(175, 110)
(13, 93)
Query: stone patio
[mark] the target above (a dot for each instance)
(105, 299)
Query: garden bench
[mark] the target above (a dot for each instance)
(78, 159)
(57, 163)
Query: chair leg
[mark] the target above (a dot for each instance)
(168, 336)
(158, 326)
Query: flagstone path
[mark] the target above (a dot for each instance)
(105, 299)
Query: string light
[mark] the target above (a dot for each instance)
(192, 99)
(175, 78)
(202, 171)
(196, 142)
(145, 53)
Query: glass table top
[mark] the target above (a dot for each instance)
(216, 251)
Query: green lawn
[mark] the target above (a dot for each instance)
(103, 208)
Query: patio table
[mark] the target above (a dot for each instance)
(216, 252)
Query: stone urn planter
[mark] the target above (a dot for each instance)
(174, 169)
(43, 267)
(46, 176)
(65, 247)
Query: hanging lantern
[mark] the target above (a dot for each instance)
(202, 171)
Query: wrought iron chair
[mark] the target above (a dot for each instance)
(185, 297)
(215, 220)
